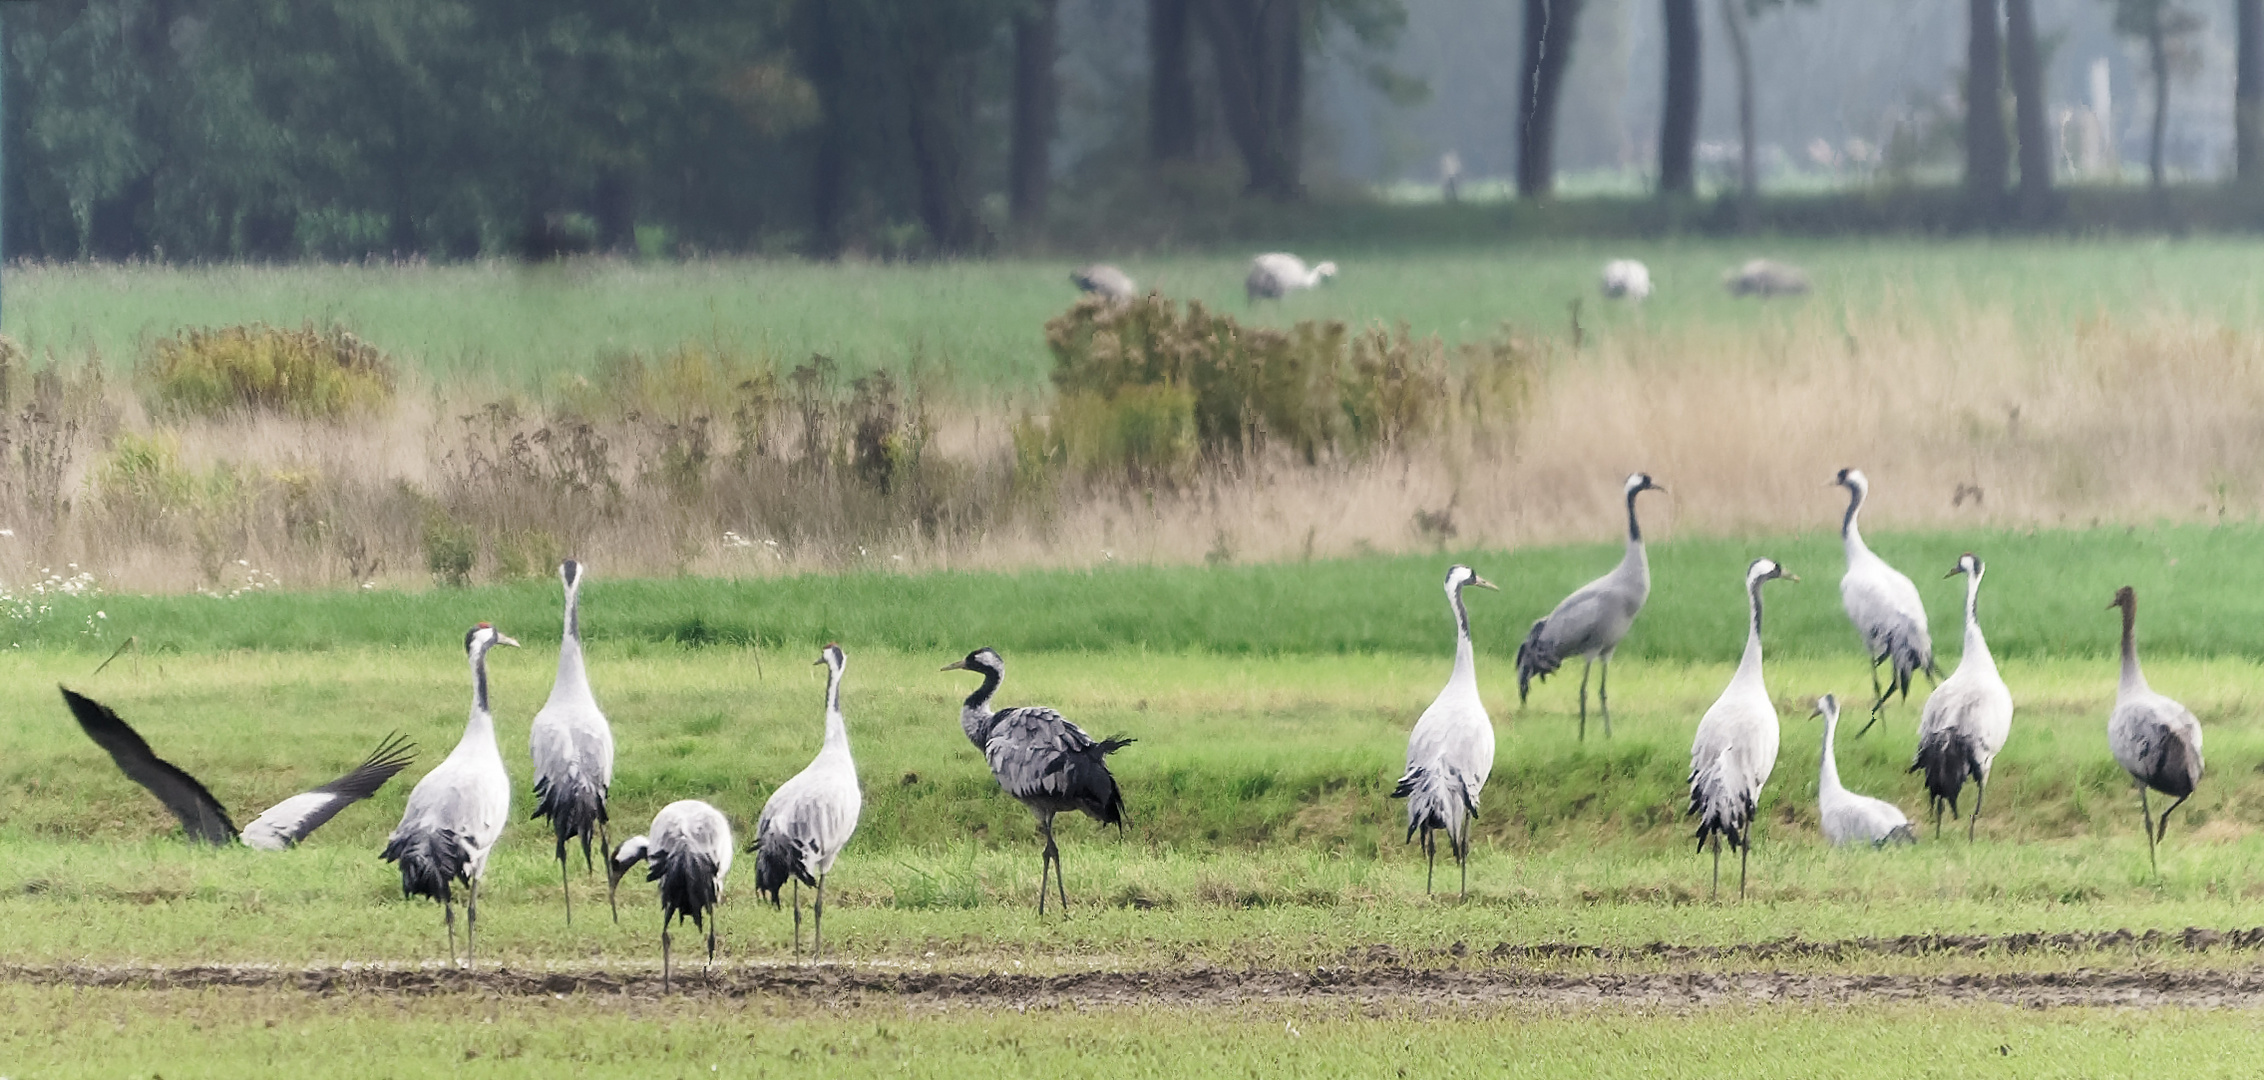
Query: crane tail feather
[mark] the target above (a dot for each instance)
(430, 861)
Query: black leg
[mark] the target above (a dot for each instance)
(1430, 860)
(817, 922)
(1744, 852)
(665, 942)
(2162, 824)
(565, 886)
(2146, 815)
(797, 916)
(1973, 821)
(448, 916)
(1462, 858)
(472, 926)
(1937, 801)
(1603, 694)
(1717, 893)
(1585, 664)
(1878, 702)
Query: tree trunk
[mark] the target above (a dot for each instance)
(613, 203)
(823, 64)
(1549, 28)
(1678, 122)
(1741, 51)
(1988, 164)
(2024, 61)
(2158, 60)
(1259, 46)
(2248, 90)
(1036, 94)
(940, 86)
(1171, 81)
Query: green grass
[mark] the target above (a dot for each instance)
(979, 324)
(107, 1033)
(2045, 595)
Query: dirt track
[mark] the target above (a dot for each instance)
(1374, 976)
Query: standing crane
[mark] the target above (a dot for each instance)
(1883, 605)
(1451, 751)
(1966, 718)
(689, 848)
(1736, 747)
(2156, 740)
(572, 745)
(1047, 763)
(201, 816)
(1590, 623)
(1275, 275)
(810, 817)
(1846, 815)
(457, 811)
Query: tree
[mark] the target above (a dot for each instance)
(2024, 62)
(1734, 13)
(1988, 157)
(1678, 121)
(1259, 48)
(1171, 81)
(2248, 90)
(1549, 29)
(2168, 31)
(1036, 94)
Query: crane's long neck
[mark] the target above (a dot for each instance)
(1465, 658)
(836, 728)
(482, 723)
(1749, 665)
(1635, 562)
(573, 671)
(1851, 535)
(2132, 678)
(1828, 779)
(975, 715)
(1976, 649)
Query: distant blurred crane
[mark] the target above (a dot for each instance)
(1736, 747)
(1590, 623)
(456, 813)
(689, 848)
(1766, 278)
(1966, 719)
(1275, 275)
(1846, 815)
(2156, 740)
(1047, 763)
(810, 818)
(1106, 282)
(572, 745)
(1451, 751)
(1626, 279)
(1883, 605)
(202, 818)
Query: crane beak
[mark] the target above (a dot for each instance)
(1483, 583)
(1954, 571)
(1658, 487)
(1791, 577)
(819, 662)
(613, 873)
(500, 639)
(955, 665)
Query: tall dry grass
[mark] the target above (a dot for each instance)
(695, 461)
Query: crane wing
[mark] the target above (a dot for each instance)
(200, 814)
(292, 820)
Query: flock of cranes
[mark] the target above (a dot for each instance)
(1276, 274)
(456, 813)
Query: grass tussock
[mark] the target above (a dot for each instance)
(304, 372)
(1174, 434)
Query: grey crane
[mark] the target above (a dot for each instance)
(1967, 718)
(1766, 278)
(1451, 751)
(1047, 763)
(689, 849)
(2155, 739)
(809, 818)
(572, 745)
(1277, 274)
(1106, 282)
(202, 817)
(1883, 605)
(1846, 815)
(457, 812)
(1736, 747)
(1590, 623)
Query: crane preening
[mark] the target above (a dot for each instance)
(457, 811)
(1451, 751)
(1047, 763)
(689, 849)
(572, 745)
(1736, 746)
(808, 820)
(202, 817)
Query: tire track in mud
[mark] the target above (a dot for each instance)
(1376, 975)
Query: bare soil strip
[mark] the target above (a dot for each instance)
(1374, 976)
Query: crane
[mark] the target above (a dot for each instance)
(202, 817)
(1276, 274)
(1451, 751)
(1106, 282)
(1626, 279)
(809, 818)
(1045, 762)
(456, 813)
(2156, 740)
(1883, 605)
(1846, 815)
(572, 745)
(1736, 746)
(689, 849)
(1966, 718)
(1590, 623)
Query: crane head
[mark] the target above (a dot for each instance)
(1642, 482)
(1324, 271)
(1851, 479)
(2124, 599)
(630, 853)
(1766, 569)
(570, 572)
(831, 656)
(1827, 707)
(982, 660)
(1968, 563)
(484, 637)
(1459, 575)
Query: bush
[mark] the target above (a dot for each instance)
(305, 372)
(1154, 389)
